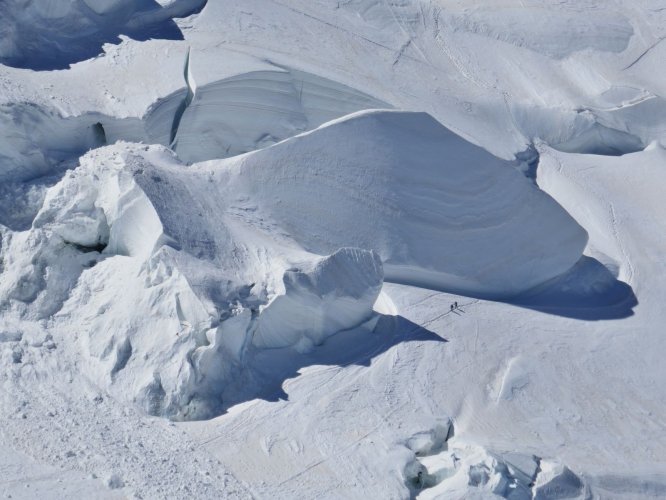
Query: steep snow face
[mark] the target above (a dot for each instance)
(441, 212)
(254, 110)
(51, 34)
(280, 248)
(221, 118)
(107, 247)
(311, 308)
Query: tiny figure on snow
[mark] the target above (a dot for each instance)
(451, 307)
(455, 305)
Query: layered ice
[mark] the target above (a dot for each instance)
(221, 118)
(106, 247)
(441, 212)
(256, 109)
(279, 248)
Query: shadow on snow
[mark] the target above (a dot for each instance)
(266, 370)
(588, 291)
(43, 44)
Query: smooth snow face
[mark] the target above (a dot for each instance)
(220, 119)
(135, 284)
(257, 109)
(441, 212)
(52, 34)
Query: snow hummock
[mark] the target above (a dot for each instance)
(289, 310)
(422, 197)
(260, 254)
(108, 223)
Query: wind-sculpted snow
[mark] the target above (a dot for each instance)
(52, 34)
(440, 211)
(238, 267)
(227, 117)
(257, 109)
(166, 275)
(500, 74)
(106, 248)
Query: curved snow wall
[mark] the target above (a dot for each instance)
(224, 118)
(279, 248)
(441, 212)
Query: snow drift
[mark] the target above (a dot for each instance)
(440, 211)
(51, 34)
(279, 248)
(106, 247)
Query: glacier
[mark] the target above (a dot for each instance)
(316, 249)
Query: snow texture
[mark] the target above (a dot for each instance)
(315, 249)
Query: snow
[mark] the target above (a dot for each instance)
(51, 34)
(386, 181)
(231, 236)
(114, 214)
(256, 109)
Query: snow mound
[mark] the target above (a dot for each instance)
(456, 469)
(167, 304)
(321, 299)
(441, 212)
(280, 248)
(256, 109)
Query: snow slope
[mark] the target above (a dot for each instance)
(110, 222)
(422, 197)
(223, 275)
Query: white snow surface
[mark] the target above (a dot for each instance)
(232, 234)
